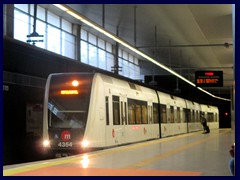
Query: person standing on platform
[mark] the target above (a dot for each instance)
(231, 161)
(204, 124)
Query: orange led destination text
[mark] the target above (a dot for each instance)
(200, 81)
(69, 92)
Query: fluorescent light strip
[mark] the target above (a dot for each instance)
(115, 38)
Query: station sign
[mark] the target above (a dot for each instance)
(209, 78)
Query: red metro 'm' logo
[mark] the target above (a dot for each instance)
(65, 136)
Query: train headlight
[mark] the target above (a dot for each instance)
(75, 83)
(85, 143)
(46, 143)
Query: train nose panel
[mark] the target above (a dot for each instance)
(65, 138)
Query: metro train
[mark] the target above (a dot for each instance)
(94, 110)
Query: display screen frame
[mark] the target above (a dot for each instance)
(209, 78)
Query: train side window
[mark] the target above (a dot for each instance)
(171, 114)
(215, 117)
(116, 108)
(193, 116)
(210, 117)
(178, 120)
(107, 109)
(187, 114)
(138, 114)
(182, 115)
(131, 111)
(197, 116)
(150, 114)
(144, 113)
(155, 113)
(125, 107)
(190, 116)
(122, 114)
(163, 110)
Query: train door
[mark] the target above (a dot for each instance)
(123, 118)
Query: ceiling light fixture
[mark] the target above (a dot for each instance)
(115, 38)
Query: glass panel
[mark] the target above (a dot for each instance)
(109, 47)
(83, 34)
(119, 53)
(144, 113)
(41, 13)
(178, 120)
(155, 113)
(131, 70)
(23, 7)
(116, 113)
(31, 9)
(171, 114)
(92, 55)
(125, 55)
(210, 117)
(138, 113)
(21, 26)
(66, 26)
(136, 60)
(101, 59)
(193, 116)
(163, 113)
(41, 29)
(125, 68)
(137, 72)
(110, 61)
(197, 116)
(130, 58)
(84, 52)
(122, 115)
(53, 39)
(120, 63)
(92, 39)
(69, 110)
(131, 112)
(187, 115)
(101, 43)
(68, 45)
(53, 19)
(125, 114)
(183, 116)
(107, 110)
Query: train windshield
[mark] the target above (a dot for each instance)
(69, 96)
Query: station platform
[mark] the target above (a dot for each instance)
(193, 154)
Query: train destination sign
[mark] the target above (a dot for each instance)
(209, 78)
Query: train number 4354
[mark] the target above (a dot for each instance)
(65, 144)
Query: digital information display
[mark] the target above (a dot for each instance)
(209, 78)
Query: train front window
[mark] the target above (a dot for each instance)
(68, 102)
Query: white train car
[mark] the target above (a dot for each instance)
(172, 115)
(98, 111)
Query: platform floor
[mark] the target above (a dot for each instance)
(193, 154)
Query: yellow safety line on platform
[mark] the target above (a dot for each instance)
(169, 153)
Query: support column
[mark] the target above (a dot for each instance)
(8, 21)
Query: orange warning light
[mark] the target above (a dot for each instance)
(67, 92)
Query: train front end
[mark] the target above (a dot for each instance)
(66, 105)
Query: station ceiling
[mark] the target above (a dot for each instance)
(183, 37)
